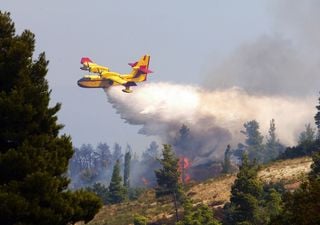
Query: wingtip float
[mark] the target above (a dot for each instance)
(102, 77)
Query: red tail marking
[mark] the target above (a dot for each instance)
(85, 59)
(144, 69)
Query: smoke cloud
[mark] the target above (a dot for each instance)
(215, 118)
(300, 20)
(285, 62)
(270, 65)
(274, 76)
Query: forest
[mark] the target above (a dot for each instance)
(46, 180)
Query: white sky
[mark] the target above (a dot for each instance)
(184, 39)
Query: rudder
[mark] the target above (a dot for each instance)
(140, 69)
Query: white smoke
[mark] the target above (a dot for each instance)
(214, 117)
(276, 75)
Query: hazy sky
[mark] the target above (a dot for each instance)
(184, 38)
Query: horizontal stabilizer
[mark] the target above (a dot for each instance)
(144, 69)
(133, 64)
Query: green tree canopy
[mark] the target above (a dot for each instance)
(302, 206)
(314, 174)
(253, 141)
(168, 177)
(101, 191)
(245, 194)
(273, 146)
(306, 143)
(183, 139)
(307, 136)
(151, 153)
(227, 167)
(140, 220)
(33, 157)
(117, 192)
(198, 215)
(126, 171)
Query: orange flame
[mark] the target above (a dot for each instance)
(145, 181)
(184, 164)
(187, 178)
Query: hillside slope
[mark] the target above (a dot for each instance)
(214, 192)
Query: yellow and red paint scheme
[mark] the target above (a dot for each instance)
(102, 77)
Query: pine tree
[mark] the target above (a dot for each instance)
(198, 215)
(245, 194)
(151, 153)
(302, 206)
(253, 141)
(117, 154)
(117, 193)
(126, 172)
(307, 144)
(101, 191)
(307, 140)
(168, 177)
(33, 157)
(182, 143)
(273, 205)
(273, 146)
(184, 135)
(308, 135)
(227, 163)
(105, 155)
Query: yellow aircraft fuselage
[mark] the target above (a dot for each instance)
(92, 81)
(95, 81)
(103, 78)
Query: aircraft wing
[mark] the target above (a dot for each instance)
(117, 79)
(88, 64)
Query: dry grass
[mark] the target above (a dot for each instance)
(216, 192)
(287, 170)
(123, 214)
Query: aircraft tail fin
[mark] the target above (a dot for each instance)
(140, 69)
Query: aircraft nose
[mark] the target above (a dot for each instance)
(80, 82)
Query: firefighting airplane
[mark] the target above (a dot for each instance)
(104, 78)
